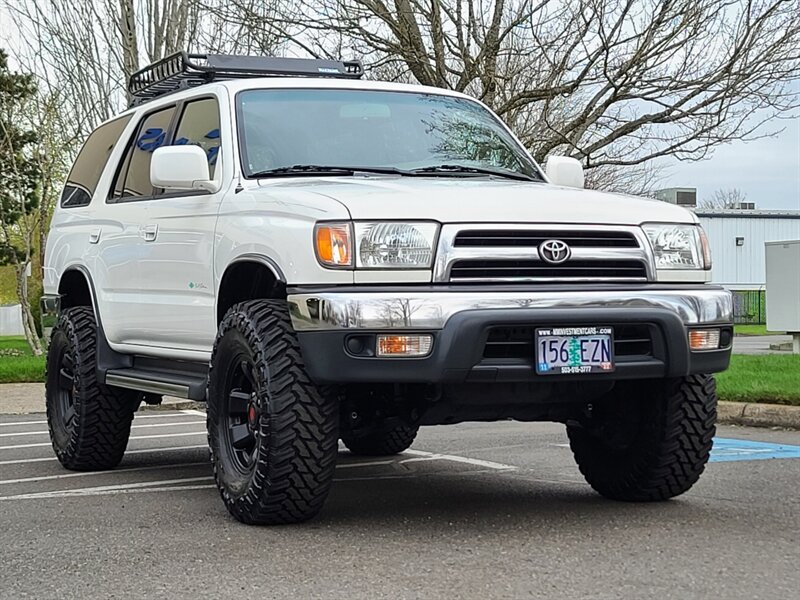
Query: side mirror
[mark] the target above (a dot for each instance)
(181, 168)
(566, 171)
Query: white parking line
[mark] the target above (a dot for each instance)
(95, 473)
(191, 411)
(459, 459)
(23, 423)
(172, 488)
(174, 485)
(167, 485)
(166, 415)
(22, 461)
(133, 437)
(105, 488)
(148, 426)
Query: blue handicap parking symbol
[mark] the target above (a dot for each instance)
(727, 449)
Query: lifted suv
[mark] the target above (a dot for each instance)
(321, 258)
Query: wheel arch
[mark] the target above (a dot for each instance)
(249, 277)
(76, 288)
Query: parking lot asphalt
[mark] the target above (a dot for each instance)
(494, 510)
(760, 344)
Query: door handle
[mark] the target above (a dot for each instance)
(148, 232)
(94, 236)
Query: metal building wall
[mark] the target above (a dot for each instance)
(742, 267)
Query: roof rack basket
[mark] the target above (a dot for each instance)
(182, 71)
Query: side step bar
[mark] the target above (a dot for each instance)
(160, 382)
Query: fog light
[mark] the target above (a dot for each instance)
(704, 339)
(404, 345)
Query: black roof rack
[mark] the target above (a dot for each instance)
(182, 71)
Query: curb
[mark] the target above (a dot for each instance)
(758, 415)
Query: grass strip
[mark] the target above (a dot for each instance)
(17, 364)
(767, 378)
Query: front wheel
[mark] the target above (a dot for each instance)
(272, 433)
(647, 441)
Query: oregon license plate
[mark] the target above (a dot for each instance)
(574, 350)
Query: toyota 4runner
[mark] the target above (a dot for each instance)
(320, 257)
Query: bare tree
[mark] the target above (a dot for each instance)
(88, 49)
(614, 83)
(637, 180)
(723, 198)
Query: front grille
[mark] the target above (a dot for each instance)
(487, 238)
(537, 269)
(516, 342)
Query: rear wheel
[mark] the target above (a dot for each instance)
(89, 422)
(273, 434)
(382, 441)
(647, 441)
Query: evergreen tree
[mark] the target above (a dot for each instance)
(19, 185)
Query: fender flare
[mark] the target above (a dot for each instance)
(259, 258)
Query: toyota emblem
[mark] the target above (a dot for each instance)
(554, 251)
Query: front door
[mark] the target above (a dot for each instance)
(176, 267)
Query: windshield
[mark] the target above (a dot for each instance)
(280, 129)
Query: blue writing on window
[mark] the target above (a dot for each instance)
(151, 139)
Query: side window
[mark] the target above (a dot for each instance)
(92, 159)
(133, 174)
(199, 125)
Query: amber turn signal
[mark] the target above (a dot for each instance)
(333, 245)
(404, 345)
(704, 339)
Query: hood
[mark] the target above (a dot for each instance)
(473, 200)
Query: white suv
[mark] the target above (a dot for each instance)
(320, 258)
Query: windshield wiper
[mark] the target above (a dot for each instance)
(312, 170)
(303, 170)
(444, 170)
(463, 169)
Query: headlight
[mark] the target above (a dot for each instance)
(678, 246)
(395, 245)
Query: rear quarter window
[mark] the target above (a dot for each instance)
(91, 161)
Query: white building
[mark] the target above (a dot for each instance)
(737, 240)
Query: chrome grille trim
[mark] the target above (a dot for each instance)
(448, 253)
(524, 238)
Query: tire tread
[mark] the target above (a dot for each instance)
(383, 443)
(671, 452)
(104, 414)
(296, 465)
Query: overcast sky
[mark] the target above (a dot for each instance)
(767, 170)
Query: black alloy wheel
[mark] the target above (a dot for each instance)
(243, 413)
(273, 433)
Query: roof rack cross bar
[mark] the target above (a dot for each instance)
(183, 70)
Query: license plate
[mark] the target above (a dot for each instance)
(574, 350)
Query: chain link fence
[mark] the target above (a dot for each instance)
(750, 307)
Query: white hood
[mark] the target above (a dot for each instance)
(467, 200)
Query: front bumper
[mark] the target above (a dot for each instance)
(463, 319)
